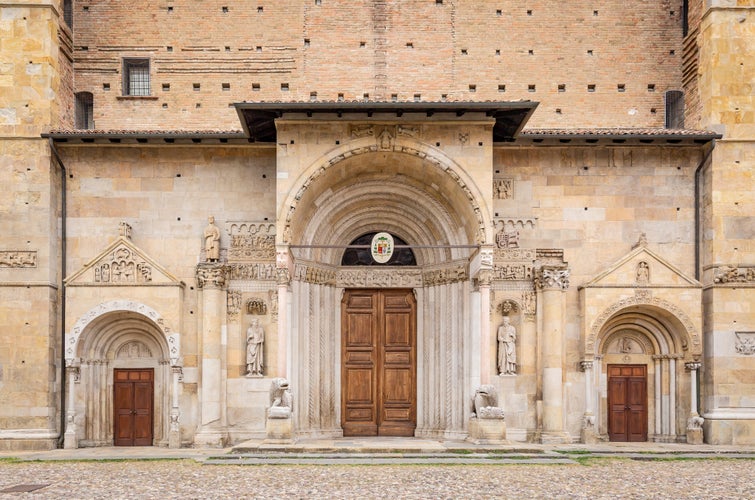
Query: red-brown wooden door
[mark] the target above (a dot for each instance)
(133, 402)
(627, 403)
(378, 374)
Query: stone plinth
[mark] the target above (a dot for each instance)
(279, 430)
(487, 431)
(695, 436)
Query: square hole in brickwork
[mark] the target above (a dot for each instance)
(224, 9)
(444, 97)
(227, 48)
(591, 87)
(362, 44)
(170, 9)
(284, 87)
(529, 12)
(105, 86)
(595, 13)
(165, 105)
(558, 111)
(318, 2)
(472, 88)
(166, 87)
(409, 45)
(531, 87)
(260, 10)
(671, 52)
(651, 87)
(258, 48)
(438, 2)
(621, 87)
(366, 96)
(394, 97)
(589, 52)
(226, 86)
(86, 8)
(340, 97)
(464, 52)
(306, 42)
(196, 87)
(501, 87)
(255, 87)
(531, 52)
(498, 12)
(498, 52)
(417, 97)
(653, 111)
(313, 96)
(562, 87)
(169, 48)
(198, 105)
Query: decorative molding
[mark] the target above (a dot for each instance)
(364, 277)
(744, 343)
(251, 241)
(515, 254)
(256, 271)
(733, 274)
(451, 274)
(598, 323)
(316, 275)
(18, 258)
(549, 278)
(513, 272)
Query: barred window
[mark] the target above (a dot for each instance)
(136, 77)
(84, 112)
(674, 109)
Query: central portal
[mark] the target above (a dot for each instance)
(379, 363)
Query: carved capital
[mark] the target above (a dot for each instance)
(552, 278)
(74, 372)
(212, 275)
(692, 366)
(485, 277)
(585, 365)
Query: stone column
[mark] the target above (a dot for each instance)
(174, 436)
(284, 271)
(589, 436)
(657, 396)
(672, 399)
(695, 421)
(484, 280)
(553, 281)
(73, 373)
(211, 278)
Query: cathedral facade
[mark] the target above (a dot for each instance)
(306, 219)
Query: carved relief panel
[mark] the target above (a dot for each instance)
(251, 241)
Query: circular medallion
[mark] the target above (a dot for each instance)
(382, 247)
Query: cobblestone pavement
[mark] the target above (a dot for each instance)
(590, 478)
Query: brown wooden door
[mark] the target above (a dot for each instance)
(627, 403)
(378, 375)
(133, 402)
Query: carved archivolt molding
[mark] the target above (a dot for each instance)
(640, 300)
(251, 241)
(72, 337)
(18, 258)
(367, 278)
(385, 137)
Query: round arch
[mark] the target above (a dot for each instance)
(408, 177)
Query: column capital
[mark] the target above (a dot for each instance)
(585, 365)
(552, 278)
(212, 275)
(693, 365)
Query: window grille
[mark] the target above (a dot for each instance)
(84, 112)
(136, 77)
(674, 109)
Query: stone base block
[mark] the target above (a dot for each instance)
(589, 436)
(694, 436)
(210, 439)
(28, 444)
(553, 437)
(487, 431)
(730, 431)
(279, 430)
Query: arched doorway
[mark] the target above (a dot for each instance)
(642, 393)
(122, 391)
(425, 204)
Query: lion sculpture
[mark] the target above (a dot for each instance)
(485, 403)
(281, 400)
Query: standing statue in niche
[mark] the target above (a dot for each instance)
(506, 348)
(255, 338)
(212, 241)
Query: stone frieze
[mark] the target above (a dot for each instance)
(18, 258)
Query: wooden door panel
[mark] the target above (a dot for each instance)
(627, 403)
(133, 400)
(379, 358)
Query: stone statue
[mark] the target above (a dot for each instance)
(255, 338)
(281, 399)
(212, 241)
(506, 348)
(485, 403)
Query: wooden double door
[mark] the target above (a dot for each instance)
(627, 403)
(133, 404)
(378, 366)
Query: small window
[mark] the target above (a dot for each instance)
(84, 112)
(674, 109)
(136, 77)
(68, 12)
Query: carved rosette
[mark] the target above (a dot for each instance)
(212, 275)
(552, 278)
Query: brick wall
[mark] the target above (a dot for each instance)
(205, 56)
